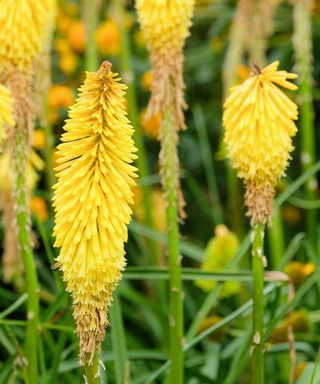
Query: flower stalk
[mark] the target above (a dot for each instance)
(170, 179)
(91, 369)
(166, 26)
(259, 123)
(257, 360)
(20, 87)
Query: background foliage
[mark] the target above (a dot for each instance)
(217, 326)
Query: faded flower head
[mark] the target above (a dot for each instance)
(92, 200)
(259, 123)
(165, 25)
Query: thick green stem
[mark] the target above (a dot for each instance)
(142, 163)
(257, 359)
(23, 227)
(302, 39)
(276, 239)
(91, 369)
(91, 18)
(169, 163)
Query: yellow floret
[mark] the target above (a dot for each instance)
(92, 200)
(6, 112)
(23, 27)
(259, 123)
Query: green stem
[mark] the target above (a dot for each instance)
(142, 162)
(91, 369)
(91, 19)
(257, 359)
(23, 228)
(276, 239)
(302, 39)
(234, 201)
(169, 163)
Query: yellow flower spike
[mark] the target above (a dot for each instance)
(165, 25)
(218, 254)
(259, 123)
(27, 18)
(92, 200)
(6, 112)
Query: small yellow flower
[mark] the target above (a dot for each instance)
(151, 126)
(60, 95)
(68, 62)
(299, 320)
(308, 268)
(91, 200)
(63, 22)
(146, 80)
(259, 123)
(218, 254)
(39, 207)
(39, 139)
(294, 270)
(76, 36)
(62, 45)
(108, 38)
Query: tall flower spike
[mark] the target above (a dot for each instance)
(22, 18)
(91, 200)
(258, 122)
(165, 24)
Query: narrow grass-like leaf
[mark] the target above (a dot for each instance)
(213, 295)
(296, 184)
(188, 249)
(14, 306)
(207, 160)
(161, 273)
